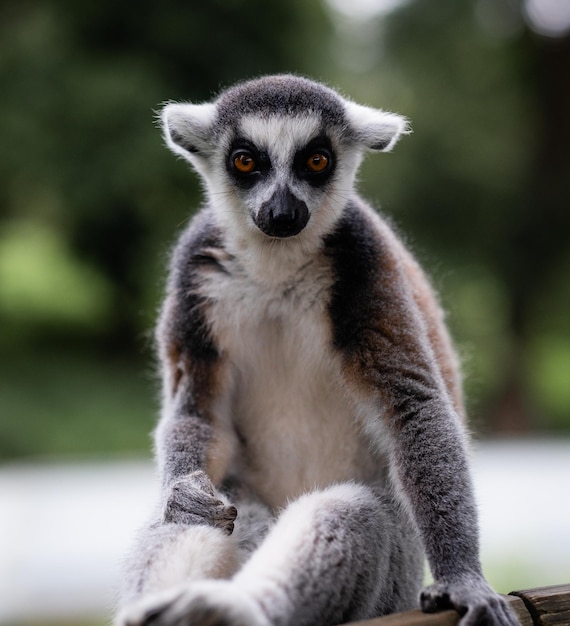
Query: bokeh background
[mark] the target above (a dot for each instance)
(90, 200)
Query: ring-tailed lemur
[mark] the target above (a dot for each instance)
(310, 387)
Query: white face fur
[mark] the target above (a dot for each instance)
(274, 175)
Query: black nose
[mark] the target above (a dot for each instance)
(283, 215)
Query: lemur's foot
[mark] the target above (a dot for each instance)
(472, 597)
(205, 603)
(193, 500)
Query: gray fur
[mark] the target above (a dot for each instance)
(309, 387)
(288, 95)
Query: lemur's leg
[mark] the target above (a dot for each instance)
(167, 554)
(341, 554)
(333, 555)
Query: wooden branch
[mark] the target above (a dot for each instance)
(545, 606)
(548, 605)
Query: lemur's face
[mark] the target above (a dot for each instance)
(279, 154)
(285, 170)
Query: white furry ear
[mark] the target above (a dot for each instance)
(188, 128)
(375, 129)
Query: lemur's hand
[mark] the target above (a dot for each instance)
(193, 500)
(472, 597)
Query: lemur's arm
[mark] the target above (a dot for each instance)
(189, 447)
(389, 357)
(185, 431)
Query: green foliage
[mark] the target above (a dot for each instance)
(40, 281)
(477, 316)
(75, 404)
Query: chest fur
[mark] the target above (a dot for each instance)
(294, 423)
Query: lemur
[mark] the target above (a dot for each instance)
(310, 387)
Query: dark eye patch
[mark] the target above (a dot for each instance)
(242, 150)
(319, 146)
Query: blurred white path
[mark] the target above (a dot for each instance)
(64, 528)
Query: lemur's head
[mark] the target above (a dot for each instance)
(278, 155)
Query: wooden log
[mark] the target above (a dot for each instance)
(442, 618)
(413, 618)
(547, 605)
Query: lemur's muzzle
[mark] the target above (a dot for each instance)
(283, 215)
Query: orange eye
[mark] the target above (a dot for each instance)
(317, 162)
(244, 163)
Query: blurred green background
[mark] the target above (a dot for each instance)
(90, 200)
